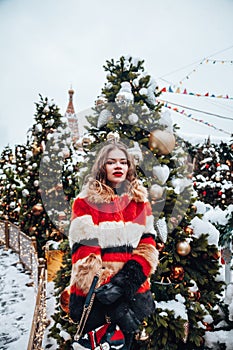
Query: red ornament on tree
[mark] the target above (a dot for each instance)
(177, 273)
(188, 230)
(64, 300)
(160, 246)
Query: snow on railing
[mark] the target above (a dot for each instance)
(39, 321)
(26, 248)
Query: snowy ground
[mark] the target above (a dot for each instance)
(17, 302)
(48, 342)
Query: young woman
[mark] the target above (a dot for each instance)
(112, 234)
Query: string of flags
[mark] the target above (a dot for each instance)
(188, 115)
(178, 90)
(200, 63)
(219, 61)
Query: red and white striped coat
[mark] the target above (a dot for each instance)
(106, 232)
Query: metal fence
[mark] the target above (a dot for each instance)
(12, 237)
(39, 321)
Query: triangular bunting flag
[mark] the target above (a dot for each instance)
(185, 91)
(170, 89)
(164, 90)
(178, 90)
(207, 94)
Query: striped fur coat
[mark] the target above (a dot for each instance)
(114, 235)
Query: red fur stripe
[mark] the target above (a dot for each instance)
(80, 207)
(116, 257)
(144, 287)
(148, 240)
(146, 268)
(84, 251)
(118, 210)
(77, 291)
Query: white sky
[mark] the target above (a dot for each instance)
(48, 45)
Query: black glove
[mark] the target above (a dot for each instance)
(108, 293)
(125, 318)
(129, 278)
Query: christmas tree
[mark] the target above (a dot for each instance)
(213, 173)
(184, 286)
(44, 203)
(10, 184)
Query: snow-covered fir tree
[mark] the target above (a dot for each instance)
(186, 285)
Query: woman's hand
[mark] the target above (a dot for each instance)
(108, 293)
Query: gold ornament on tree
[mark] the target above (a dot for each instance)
(162, 140)
(113, 135)
(188, 230)
(35, 149)
(37, 209)
(86, 142)
(183, 248)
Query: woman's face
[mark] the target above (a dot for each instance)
(116, 167)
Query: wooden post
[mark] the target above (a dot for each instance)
(7, 231)
(41, 265)
(34, 243)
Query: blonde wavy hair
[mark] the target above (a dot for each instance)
(98, 175)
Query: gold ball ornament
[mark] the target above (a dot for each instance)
(113, 135)
(86, 142)
(188, 230)
(162, 140)
(183, 248)
(37, 209)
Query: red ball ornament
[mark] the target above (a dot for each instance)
(217, 255)
(160, 246)
(204, 193)
(177, 273)
(64, 300)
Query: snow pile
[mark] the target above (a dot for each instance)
(17, 302)
(49, 342)
(204, 227)
(177, 306)
(217, 215)
(229, 300)
(213, 339)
